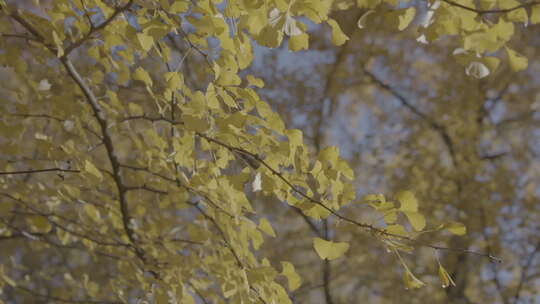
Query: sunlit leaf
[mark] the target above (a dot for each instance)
(328, 249)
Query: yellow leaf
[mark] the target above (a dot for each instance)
(90, 168)
(535, 14)
(517, 61)
(40, 224)
(179, 7)
(329, 250)
(338, 37)
(407, 200)
(146, 41)
(135, 109)
(446, 279)
(299, 42)
(59, 44)
(194, 123)
(265, 227)
(456, 228)
(406, 18)
(417, 220)
(92, 211)
(254, 81)
(519, 15)
(411, 281)
(142, 75)
(397, 230)
(293, 278)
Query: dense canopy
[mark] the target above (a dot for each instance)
(269, 151)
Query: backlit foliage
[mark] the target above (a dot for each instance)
(137, 151)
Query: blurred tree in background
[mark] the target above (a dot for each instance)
(269, 151)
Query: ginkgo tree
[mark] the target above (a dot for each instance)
(127, 178)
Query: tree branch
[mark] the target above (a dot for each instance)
(492, 11)
(94, 29)
(39, 171)
(439, 128)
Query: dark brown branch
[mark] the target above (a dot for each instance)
(94, 29)
(492, 11)
(39, 171)
(439, 128)
(326, 269)
(524, 271)
(495, 278)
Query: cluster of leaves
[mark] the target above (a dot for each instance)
(158, 168)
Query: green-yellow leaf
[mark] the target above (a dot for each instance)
(406, 18)
(90, 168)
(535, 14)
(194, 123)
(254, 81)
(135, 109)
(456, 228)
(266, 227)
(142, 75)
(92, 211)
(446, 279)
(39, 224)
(299, 42)
(410, 281)
(338, 37)
(407, 200)
(292, 276)
(517, 61)
(397, 230)
(417, 220)
(146, 41)
(328, 249)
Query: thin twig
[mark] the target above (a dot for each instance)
(39, 171)
(492, 11)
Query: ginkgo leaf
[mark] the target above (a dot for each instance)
(44, 85)
(135, 109)
(294, 280)
(274, 17)
(92, 211)
(406, 18)
(59, 44)
(338, 37)
(397, 230)
(328, 249)
(446, 279)
(256, 185)
(477, 70)
(417, 220)
(535, 14)
(517, 61)
(266, 227)
(142, 75)
(254, 81)
(90, 168)
(361, 23)
(410, 281)
(407, 200)
(146, 41)
(290, 28)
(299, 42)
(456, 228)
(40, 224)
